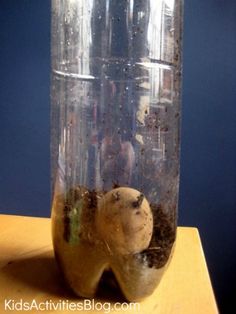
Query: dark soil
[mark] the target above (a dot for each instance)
(164, 234)
(72, 198)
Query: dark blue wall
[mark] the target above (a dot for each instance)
(208, 176)
(24, 106)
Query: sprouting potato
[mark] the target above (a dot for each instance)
(124, 221)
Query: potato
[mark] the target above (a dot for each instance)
(124, 221)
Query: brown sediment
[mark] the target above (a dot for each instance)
(89, 199)
(163, 238)
(83, 251)
(66, 220)
(164, 230)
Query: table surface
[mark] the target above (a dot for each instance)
(28, 273)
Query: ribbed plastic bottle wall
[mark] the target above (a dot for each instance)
(115, 111)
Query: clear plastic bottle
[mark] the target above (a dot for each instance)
(116, 87)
